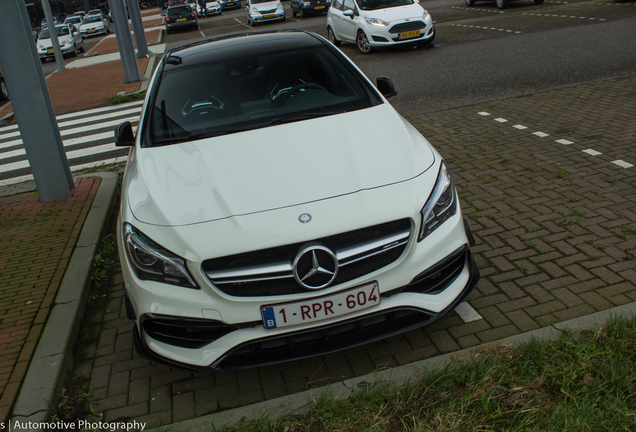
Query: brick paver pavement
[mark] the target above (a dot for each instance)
(77, 89)
(37, 241)
(556, 239)
(109, 45)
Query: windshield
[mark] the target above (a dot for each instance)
(261, 1)
(382, 4)
(253, 91)
(92, 19)
(61, 31)
(179, 10)
(73, 20)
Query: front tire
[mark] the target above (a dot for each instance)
(332, 37)
(362, 42)
(502, 4)
(470, 3)
(302, 13)
(293, 12)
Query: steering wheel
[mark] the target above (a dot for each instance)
(283, 98)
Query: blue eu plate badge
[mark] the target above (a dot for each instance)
(269, 318)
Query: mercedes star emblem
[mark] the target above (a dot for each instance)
(315, 267)
(304, 218)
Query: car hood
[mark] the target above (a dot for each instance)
(275, 167)
(94, 25)
(266, 6)
(47, 43)
(397, 13)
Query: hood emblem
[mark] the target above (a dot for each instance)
(315, 267)
(304, 218)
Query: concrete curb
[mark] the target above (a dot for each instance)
(302, 402)
(53, 357)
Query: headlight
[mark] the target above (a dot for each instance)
(377, 22)
(306, 3)
(425, 14)
(441, 205)
(41, 47)
(152, 262)
(279, 7)
(254, 11)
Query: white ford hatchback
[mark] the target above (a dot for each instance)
(276, 207)
(379, 23)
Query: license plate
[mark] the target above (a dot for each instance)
(92, 31)
(50, 51)
(410, 34)
(181, 19)
(321, 308)
(269, 16)
(230, 4)
(319, 7)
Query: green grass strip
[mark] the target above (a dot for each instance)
(578, 384)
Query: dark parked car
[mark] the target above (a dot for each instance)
(4, 93)
(305, 7)
(180, 15)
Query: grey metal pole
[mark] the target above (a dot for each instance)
(59, 58)
(138, 28)
(32, 104)
(124, 41)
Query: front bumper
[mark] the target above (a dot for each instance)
(50, 54)
(231, 5)
(93, 32)
(213, 11)
(266, 17)
(325, 339)
(203, 340)
(393, 35)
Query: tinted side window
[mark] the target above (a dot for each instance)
(337, 4)
(349, 5)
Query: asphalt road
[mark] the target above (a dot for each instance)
(521, 50)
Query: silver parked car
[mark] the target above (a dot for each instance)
(94, 25)
(68, 38)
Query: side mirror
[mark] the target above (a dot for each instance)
(124, 136)
(348, 13)
(386, 87)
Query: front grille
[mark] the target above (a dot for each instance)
(407, 26)
(269, 11)
(325, 339)
(269, 272)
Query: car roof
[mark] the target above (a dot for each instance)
(263, 41)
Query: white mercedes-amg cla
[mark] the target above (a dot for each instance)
(275, 206)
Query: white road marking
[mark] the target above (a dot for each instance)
(564, 142)
(592, 152)
(78, 130)
(622, 163)
(540, 134)
(483, 28)
(501, 120)
(467, 313)
(484, 113)
(12, 127)
(73, 169)
(520, 127)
